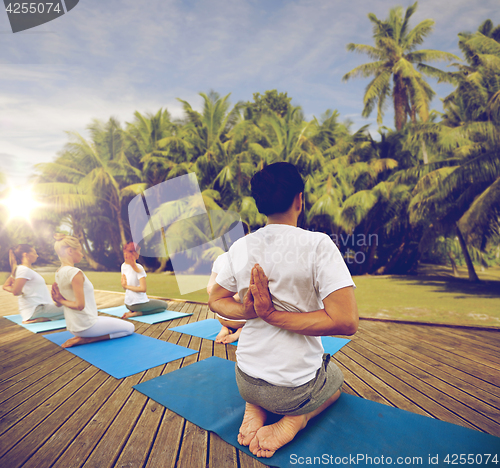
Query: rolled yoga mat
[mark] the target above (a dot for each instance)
(352, 431)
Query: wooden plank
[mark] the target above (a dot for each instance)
(372, 379)
(121, 431)
(41, 400)
(247, 461)
(109, 448)
(359, 387)
(27, 358)
(81, 448)
(487, 377)
(462, 345)
(59, 441)
(463, 369)
(402, 381)
(166, 446)
(23, 440)
(445, 395)
(141, 440)
(220, 453)
(36, 375)
(193, 451)
(470, 395)
(139, 444)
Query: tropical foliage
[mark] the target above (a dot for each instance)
(430, 189)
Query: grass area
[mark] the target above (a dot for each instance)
(429, 298)
(161, 284)
(432, 296)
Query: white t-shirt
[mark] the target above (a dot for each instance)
(77, 320)
(34, 291)
(219, 262)
(303, 268)
(216, 268)
(133, 277)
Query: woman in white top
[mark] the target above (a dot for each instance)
(35, 304)
(296, 288)
(75, 292)
(134, 283)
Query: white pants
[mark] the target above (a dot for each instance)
(114, 327)
(50, 311)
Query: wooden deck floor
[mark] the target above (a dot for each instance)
(57, 410)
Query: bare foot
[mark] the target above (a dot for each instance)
(253, 420)
(127, 315)
(75, 341)
(36, 320)
(78, 340)
(224, 331)
(268, 439)
(231, 338)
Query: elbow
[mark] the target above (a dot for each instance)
(80, 306)
(211, 304)
(350, 328)
(351, 325)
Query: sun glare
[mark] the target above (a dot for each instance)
(20, 203)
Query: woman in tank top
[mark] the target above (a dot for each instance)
(35, 304)
(75, 292)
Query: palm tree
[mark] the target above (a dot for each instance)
(465, 194)
(89, 183)
(395, 56)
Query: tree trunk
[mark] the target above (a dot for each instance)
(453, 266)
(80, 235)
(399, 97)
(386, 269)
(470, 267)
(122, 229)
(163, 265)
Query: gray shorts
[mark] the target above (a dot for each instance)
(292, 401)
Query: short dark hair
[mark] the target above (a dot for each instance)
(275, 187)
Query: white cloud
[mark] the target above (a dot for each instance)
(111, 58)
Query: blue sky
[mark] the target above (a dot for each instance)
(111, 58)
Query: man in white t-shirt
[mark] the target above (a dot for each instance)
(296, 288)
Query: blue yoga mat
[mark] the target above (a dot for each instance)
(206, 394)
(151, 318)
(210, 328)
(38, 326)
(125, 356)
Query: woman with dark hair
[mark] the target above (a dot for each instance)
(35, 304)
(296, 288)
(134, 283)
